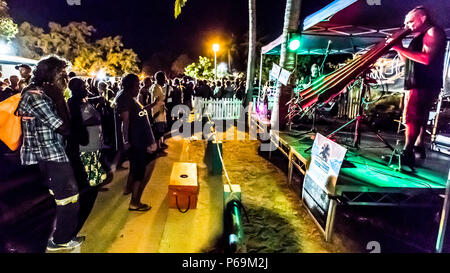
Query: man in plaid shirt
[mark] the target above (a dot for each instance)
(45, 120)
(41, 142)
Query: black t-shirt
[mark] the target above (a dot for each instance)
(140, 134)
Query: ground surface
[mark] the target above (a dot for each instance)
(278, 222)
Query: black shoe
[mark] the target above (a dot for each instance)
(408, 158)
(161, 153)
(164, 146)
(420, 150)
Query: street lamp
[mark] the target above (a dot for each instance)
(215, 49)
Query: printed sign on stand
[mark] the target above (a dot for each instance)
(320, 181)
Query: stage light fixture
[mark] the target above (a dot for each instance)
(294, 42)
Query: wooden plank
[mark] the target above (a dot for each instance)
(183, 174)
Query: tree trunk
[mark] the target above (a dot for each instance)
(287, 61)
(251, 50)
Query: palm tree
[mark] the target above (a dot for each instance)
(251, 49)
(178, 5)
(287, 61)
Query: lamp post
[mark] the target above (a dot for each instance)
(215, 49)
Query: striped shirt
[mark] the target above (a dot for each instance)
(39, 122)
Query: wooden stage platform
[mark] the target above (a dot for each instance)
(365, 179)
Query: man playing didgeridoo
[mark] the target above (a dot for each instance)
(424, 63)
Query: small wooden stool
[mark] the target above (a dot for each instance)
(183, 187)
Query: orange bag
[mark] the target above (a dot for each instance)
(10, 125)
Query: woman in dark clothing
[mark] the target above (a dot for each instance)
(86, 165)
(138, 138)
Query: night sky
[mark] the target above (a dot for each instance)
(149, 26)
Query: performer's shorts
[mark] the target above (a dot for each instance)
(418, 106)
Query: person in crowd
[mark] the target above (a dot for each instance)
(177, 99)
(138, 138)
(72, 75)
(6, 83)
(115, 87)
(83, 148)
(45, 121)
(14, 86)
(169, 89)
(240, 91)
(212, 86)
(159, 113)
(4, 94)
(228, 90)
(12, 89)
(424, 65)
(25, 75)
(206, 92)
(104, 93)
(218, 91)
(188, 92)
(235, 84)
(315, 74)
(144, 93)
(198, 89)
(106, 112)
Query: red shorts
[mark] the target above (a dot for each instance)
(418, 106)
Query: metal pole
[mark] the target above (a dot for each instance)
(215, 66)
(444, 218)
(441, 96)
(260, 76)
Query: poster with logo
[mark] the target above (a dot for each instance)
(321, 177)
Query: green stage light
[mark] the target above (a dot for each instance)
(294, 41)
(294, 45)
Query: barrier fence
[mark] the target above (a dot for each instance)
(219, 109)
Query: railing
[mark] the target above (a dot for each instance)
(219, 109)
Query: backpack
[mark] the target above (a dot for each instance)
(92, 120)
(10, 124)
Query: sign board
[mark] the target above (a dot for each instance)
(276, 70)
(320, 180)
(284, 76)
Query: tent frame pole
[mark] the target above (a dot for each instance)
(260, 76)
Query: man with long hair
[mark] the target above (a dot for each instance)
(45, 122)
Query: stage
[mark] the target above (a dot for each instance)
(365, 178)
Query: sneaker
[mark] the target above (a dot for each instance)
(77, 241)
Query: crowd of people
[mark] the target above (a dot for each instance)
(14, 84)
(78, 130)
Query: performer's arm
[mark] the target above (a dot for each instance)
(431, 43)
